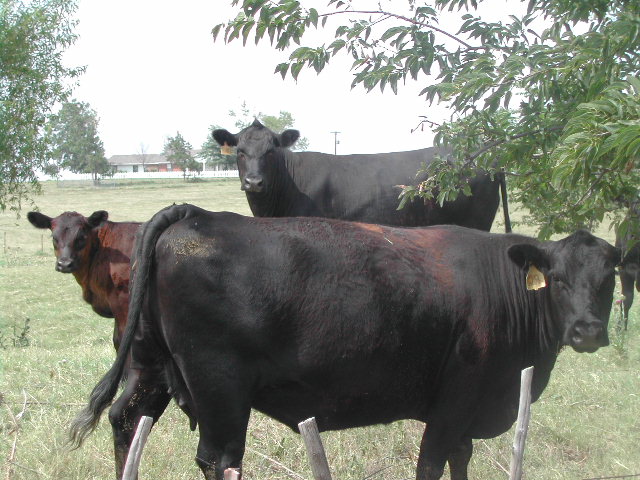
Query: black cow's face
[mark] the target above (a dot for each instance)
(579, 273)
(71, 233)
(258, 154)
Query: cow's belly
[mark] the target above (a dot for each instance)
(494, 417)
(338, 407)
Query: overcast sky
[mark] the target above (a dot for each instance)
(153, 69)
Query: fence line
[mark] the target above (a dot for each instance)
(141, 175)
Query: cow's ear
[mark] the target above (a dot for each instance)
(289, 137)
(223, 136)
(535, 260)
(97, 218)
(525, 254)
(39, 220)
(615, 256)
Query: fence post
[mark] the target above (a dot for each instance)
(524, 413)
(231, 474)
(135, 450)
(315, 450)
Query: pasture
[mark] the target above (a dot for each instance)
(54, 349)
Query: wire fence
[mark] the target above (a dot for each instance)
(65, 175)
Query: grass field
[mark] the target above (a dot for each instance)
(585, 426)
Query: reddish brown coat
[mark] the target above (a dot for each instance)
(96, 251)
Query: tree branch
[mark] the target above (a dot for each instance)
(489, 146)
(423, 121)
(406, 19)
(591, 187)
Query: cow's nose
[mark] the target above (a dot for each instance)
(64, 265)
(588, 336)
(253, 183)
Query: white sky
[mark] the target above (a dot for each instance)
(153, 69)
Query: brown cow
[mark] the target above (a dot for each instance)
(97, 252)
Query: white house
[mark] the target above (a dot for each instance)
(147, 162)
(151, 162)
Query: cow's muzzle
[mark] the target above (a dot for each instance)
(65, 265)
(587, 336)
(252, 183)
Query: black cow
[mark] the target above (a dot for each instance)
(352, 323)
(629, 271)
(364, 188)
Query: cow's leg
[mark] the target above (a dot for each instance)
(116, 336)
(120, 309)
(145, 394)
(626, 284)
(459, 460)
(431, 459)
(221, 398)
(222, 428)
(449, 418)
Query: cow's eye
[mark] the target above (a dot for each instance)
(558, 280)
(55, 241)
(80, 242)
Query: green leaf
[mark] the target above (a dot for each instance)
(391, 32)
(282, 69)
(215, 30)
(295, 69)
(337, 45)
(246, 30)
(313, 16)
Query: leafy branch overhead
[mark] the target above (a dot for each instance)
(550, 94)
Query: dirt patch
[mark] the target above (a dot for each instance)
(193, 247)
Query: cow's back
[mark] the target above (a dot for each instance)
(367, 187)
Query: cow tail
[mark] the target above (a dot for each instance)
(502, 178)
(103, 393)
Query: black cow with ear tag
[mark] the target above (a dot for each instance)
(355, 324)
(279, 182)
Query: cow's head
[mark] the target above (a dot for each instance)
(579, 273)
(259, 153)
(71, 233)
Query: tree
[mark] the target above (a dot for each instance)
(211, 150)
(284, 120)
(212, 154)
(143, 155)
(76, 146)
(34, 36)
(180, 153)
(551, 96)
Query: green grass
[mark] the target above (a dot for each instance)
(586, 425)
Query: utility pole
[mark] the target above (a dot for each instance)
(335, 142)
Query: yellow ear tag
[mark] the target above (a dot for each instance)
(535, 279)
(226, 149)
